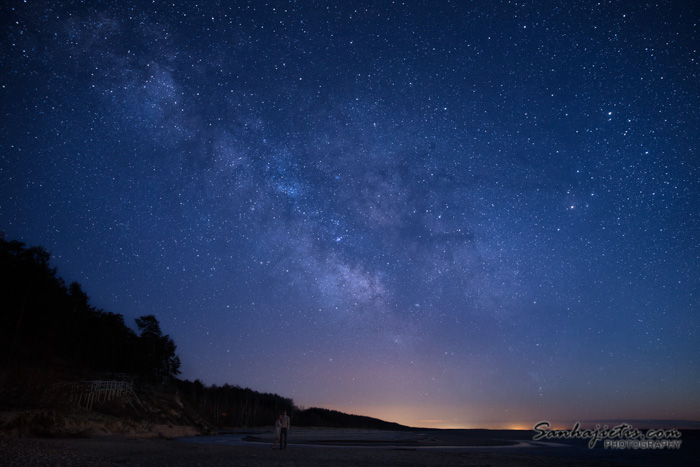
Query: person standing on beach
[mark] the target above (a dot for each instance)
(278, 430)
(284, 425)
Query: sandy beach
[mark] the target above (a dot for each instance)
(308, 447)
(162, 452)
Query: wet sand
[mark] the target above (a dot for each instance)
(380, 438)
(309, 447)
(162, 452)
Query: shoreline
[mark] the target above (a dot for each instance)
(111, 450)
(376, 447)
(357, 438)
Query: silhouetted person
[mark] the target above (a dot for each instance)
(284, 427)
(278, 431)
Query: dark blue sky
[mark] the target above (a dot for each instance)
(437, 213)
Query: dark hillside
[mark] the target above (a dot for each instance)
(334, 419)
(56, 349)
(48, 325)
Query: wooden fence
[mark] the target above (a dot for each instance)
(86, 393)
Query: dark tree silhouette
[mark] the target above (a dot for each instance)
(229, 406)
(158, 357)
(33, 299)
(42, 320)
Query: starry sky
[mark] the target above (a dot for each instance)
(439, 213)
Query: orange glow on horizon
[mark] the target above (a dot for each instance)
(447, 417)
(420, 417)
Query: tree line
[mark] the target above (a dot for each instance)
(45, 323)
(233, 406)
(49, 332)
(315, 416)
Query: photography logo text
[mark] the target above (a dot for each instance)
(622, 436)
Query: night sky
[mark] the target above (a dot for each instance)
(444, 214)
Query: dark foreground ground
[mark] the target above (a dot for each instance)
(323, 447)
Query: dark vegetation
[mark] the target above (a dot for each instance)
(50, 334)
(233, 406)
(332, 418)
(49, 328)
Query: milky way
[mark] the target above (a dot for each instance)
(437, 213)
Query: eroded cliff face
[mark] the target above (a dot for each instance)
(158, 413)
